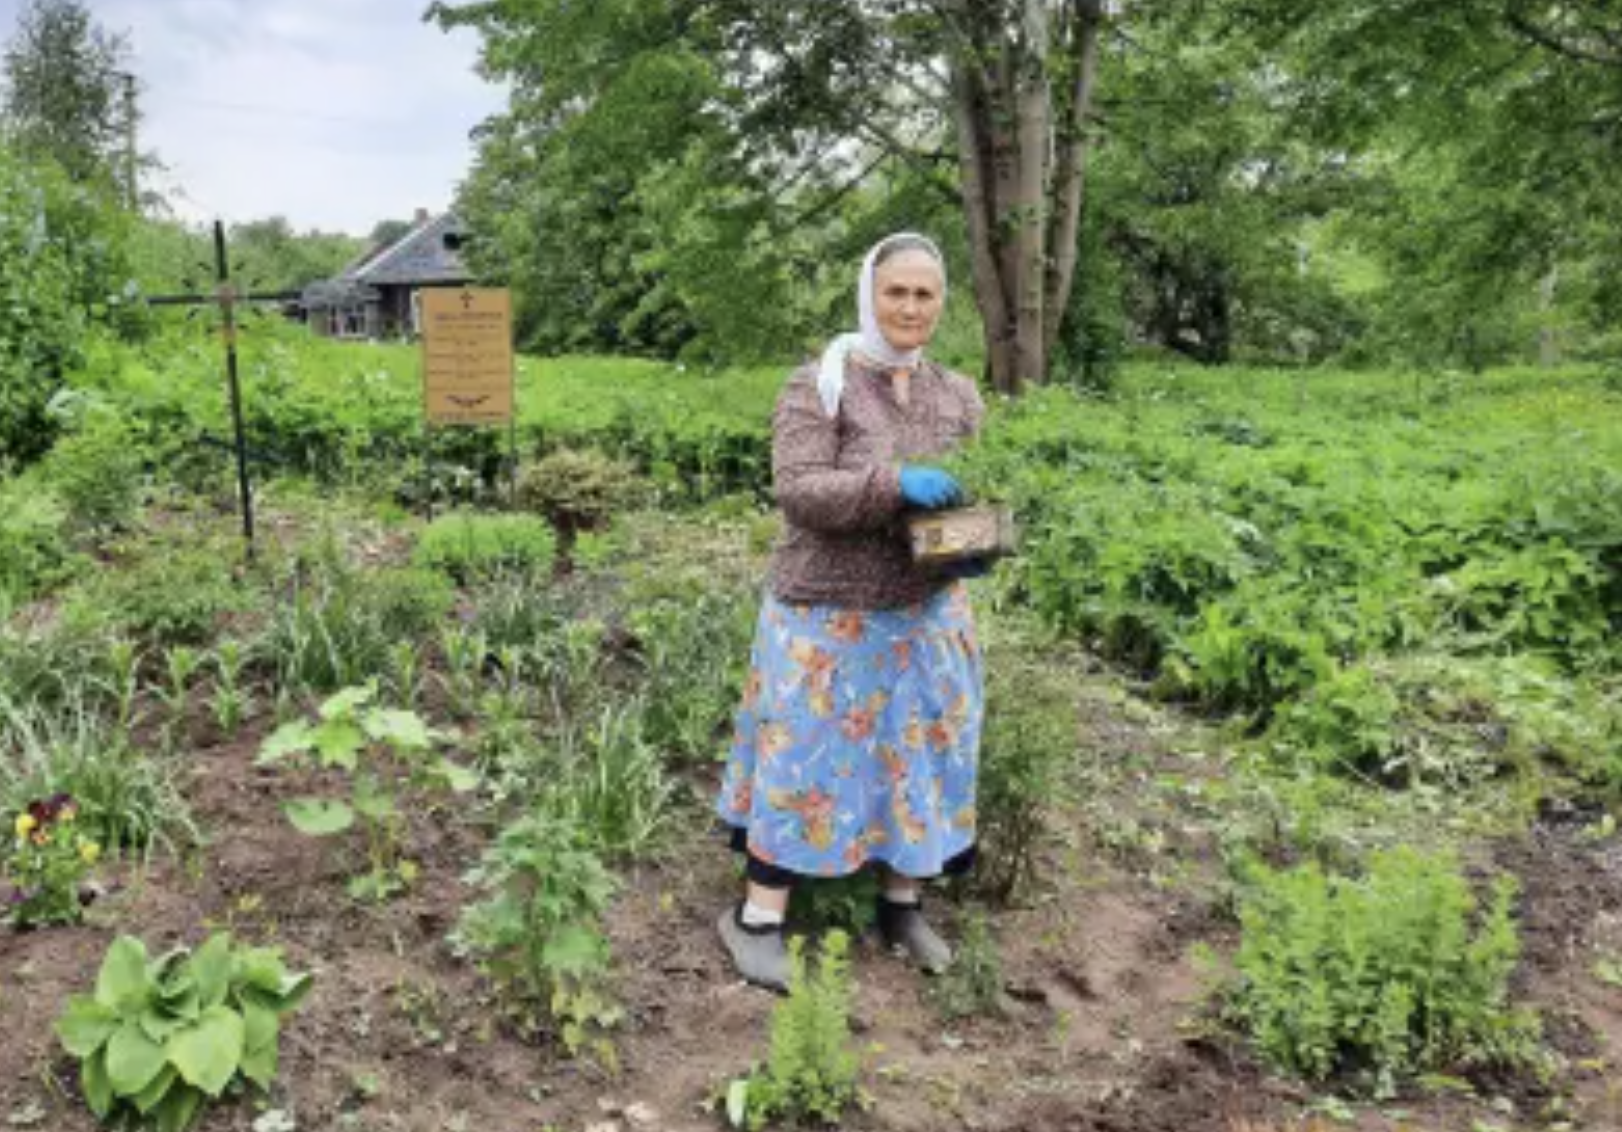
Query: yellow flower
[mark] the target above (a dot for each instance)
(90, 851)
(25, 824)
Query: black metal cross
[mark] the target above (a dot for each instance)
(228, 298)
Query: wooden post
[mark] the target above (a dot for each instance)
(228, 330)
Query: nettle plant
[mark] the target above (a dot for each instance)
(538, 932)
(383, 751)
(159, 1037)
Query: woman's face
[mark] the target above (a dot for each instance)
(907, 298)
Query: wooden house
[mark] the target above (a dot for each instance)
(374, 297)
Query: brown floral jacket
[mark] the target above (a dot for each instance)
(838, 481)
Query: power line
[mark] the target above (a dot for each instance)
(284, 112)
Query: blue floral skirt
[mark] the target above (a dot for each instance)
(858, 737)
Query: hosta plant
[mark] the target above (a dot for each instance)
(47, 864)
(160, 1037)
(383, 751)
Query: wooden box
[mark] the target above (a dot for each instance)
(943, 537)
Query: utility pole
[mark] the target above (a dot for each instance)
(131, 184)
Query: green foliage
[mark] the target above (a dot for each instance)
(343, 413)
(537, 930)
(61, 273)
(973, 984)
(383, 751)
(1028, 745)
(1275, 546)
(34, 554)
(65, 90)
(176, 591)
(97, 470)
(333, 624)
(469, 546)
(125, 798)
(161, 1037)
(1450, 722)
(576, 491)
(608, 781)
(273, 257)
(693, 653)
(1394, 974)
(47, 863)
(812, 1072)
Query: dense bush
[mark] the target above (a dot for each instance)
(1392, 974)
(468, 546)
(176, 591)
(62, 271)
(34, 552)
(97, 471)
(344, 413)
(334, 624)
(1252, 541)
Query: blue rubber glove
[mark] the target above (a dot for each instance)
(929, 488)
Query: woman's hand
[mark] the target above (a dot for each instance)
(929, 488)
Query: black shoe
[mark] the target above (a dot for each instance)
(757, 950)
(908, 934)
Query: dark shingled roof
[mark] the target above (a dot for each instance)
(429, 253)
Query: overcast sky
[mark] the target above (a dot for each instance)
(333, 113)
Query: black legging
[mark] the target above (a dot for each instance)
(775, 876)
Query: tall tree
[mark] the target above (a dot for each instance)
(70, 94)
(985, 100)
(1022, 78)
(1514, 108)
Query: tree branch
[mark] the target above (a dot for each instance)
(1553, 41)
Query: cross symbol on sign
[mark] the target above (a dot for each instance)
(467, 300)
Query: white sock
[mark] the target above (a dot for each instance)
(906, 898)
(755, 916)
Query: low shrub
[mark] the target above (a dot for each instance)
(1030, 740)
(334, 624)
(973, 984)
(169, 595)
(610, 783)
(693, 655)
(385, 752)
(1395, 973)
(98, 471)
(537, 931)
(469, 546)
(811, 1074)
(34, 555)
(576, 491)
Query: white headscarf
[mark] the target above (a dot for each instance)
(869, 341)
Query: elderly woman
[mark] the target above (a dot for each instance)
(858, 736)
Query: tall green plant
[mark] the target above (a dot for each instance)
(537, 931)
(380, 749)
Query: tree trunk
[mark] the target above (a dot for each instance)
(1023, 168)
(1070, 172)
